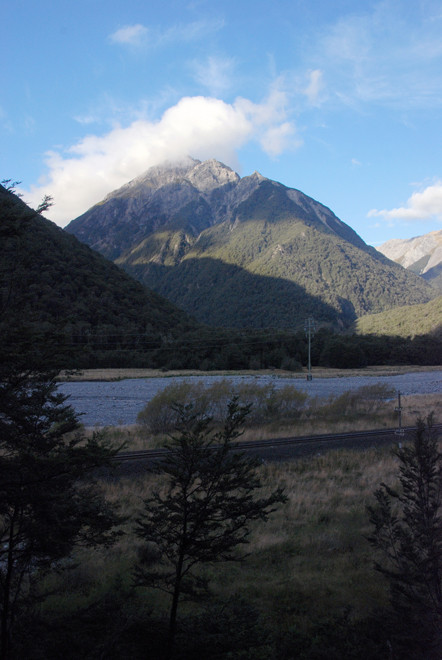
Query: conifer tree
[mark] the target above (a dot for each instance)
(49, 501)
(408, 533)
(209, 499)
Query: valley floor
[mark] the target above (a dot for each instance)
(318, 372)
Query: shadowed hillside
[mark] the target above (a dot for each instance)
(51, 281)
(225, 295)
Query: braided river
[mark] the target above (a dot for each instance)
(117, 403)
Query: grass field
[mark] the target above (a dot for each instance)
(318, 372)
(418, 405)
(308, 583)
(308, 589)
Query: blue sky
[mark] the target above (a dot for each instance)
(341, 99)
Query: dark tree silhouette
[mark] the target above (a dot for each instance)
(49, 502)
(407, 529)
(209, 499)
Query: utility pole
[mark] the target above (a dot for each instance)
(398, 409)
(309, 328)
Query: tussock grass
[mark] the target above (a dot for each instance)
(382, 415)
(309, 565)
(311, 550)
(311, 557)
(318, 372)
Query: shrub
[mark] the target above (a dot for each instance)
(270, 404)
(356, 402)
(267, 403)
(159, 415)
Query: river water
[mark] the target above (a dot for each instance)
(117, 403)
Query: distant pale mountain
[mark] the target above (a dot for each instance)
(243, 252)
(422, 255)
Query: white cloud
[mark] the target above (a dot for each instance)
(130, 35)
(86, 119)
(188, 32)
(420, 206)
(215, 74)
(381, 55)
(314, 88)
(273, 109)
(201, 127)
(29, 123)
(276, 139)
(139, 35)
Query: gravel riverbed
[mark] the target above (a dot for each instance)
(118, 403)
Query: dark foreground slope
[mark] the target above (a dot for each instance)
(243, 252)
(52, 282)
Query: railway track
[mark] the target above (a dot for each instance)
(284, 448)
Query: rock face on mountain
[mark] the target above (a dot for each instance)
(243, 252)
(190, 197)
(421, 255)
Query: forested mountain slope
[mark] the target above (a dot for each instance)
(243, 252)
(407, 321)
(50, 280)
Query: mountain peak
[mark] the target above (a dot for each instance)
(211, 174)
(242, 251)
(191, 196)
(258, 176)
(156, 177)
(420, 254)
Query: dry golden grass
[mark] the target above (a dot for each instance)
(309, 562)
(414, 406)
(312, 548)
(318, 372)
(420, 405)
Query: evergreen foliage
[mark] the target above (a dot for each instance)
(261, 274)
(48, 502)
(204, 513)
(407, 321)
(408, 532)
(54, 282)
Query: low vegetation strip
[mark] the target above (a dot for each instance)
(117, 374)
(284, 406)
(134, 463)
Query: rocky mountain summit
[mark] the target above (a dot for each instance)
(191, 196)
(422, 255)
(243, 252)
